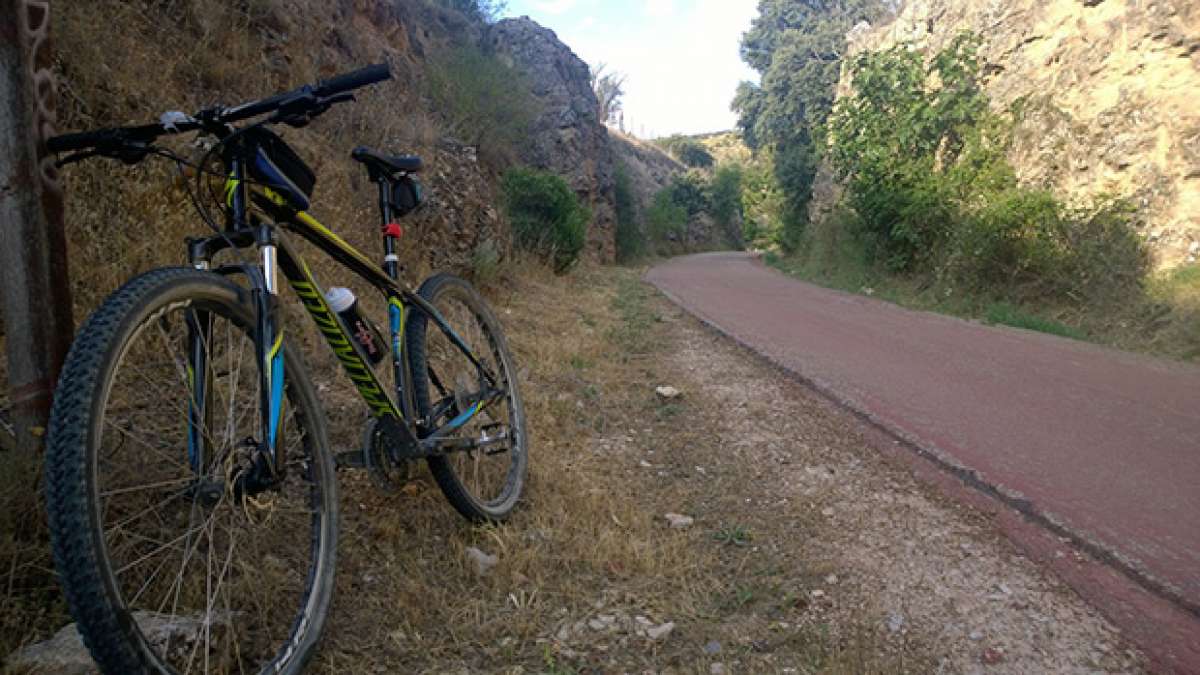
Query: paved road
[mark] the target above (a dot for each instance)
(1105, 442)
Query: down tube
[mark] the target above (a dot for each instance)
(373, 392)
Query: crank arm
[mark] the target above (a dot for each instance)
(445, 445)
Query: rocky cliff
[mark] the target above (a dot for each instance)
(1109, 90)
(649, 168)
(567, 136)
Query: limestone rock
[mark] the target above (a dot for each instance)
(482, 562)
(65, 653)
(567, 136)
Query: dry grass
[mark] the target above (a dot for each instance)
(589, 542)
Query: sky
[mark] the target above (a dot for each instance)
(680, 56)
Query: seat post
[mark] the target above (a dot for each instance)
(391, 262)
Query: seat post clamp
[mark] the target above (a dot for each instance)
(393, 230)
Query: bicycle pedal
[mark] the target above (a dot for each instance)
(350, 459)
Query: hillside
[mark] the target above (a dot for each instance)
(189, 57)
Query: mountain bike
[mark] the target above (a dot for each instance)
(191, 488)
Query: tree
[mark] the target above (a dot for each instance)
(487, 11)
(797, 46)
(695, 155)
(609, 88)
(688, 150)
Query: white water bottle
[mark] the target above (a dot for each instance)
(364, 333)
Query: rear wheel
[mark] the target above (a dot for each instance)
(168, 561)
(483, 484)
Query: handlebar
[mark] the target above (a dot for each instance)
(354, 80)
(311, 97)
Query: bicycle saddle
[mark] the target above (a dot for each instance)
(387, 166)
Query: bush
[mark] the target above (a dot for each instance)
(725, 195)
(666, 219)
(487, 102)
(926, 173)
(629, 238)
(546, 215)
(762, 200)
(485, 262)
(689, 191)
(695, 155)
(689, 151)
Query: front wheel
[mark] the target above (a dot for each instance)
(483, 484)
(167, 563)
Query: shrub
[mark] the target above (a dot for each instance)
(689, 191)
(725, 194)
(666, 219)
(695, 155)
(689, 151)
(762, 201)
(629, 238)
(926, 173)
(487, 102)
(546, 215)
(485, 262)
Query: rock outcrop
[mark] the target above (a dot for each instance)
(567, 136)
(649, 168)
(1108, 91)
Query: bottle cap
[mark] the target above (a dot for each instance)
(339, 299)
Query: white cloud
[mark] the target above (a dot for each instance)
(660, 8)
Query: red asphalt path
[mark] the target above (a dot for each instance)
(1098, 444)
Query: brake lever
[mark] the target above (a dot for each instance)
(297, 116)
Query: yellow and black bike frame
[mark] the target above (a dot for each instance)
(259, 217)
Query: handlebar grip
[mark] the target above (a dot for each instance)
(101, 137)
(79, 141)
(359, 78)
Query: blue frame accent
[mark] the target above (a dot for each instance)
(464, 417)
(276, 395)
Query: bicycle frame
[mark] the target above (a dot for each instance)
(244, 230)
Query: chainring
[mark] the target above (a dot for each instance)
(386, 473)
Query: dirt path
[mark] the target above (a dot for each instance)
(1098, 443)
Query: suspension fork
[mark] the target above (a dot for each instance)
(268, 331)
(199, 444)
(270, 352)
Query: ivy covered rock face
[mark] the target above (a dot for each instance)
(1104, 94)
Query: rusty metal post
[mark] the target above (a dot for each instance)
(34, 285)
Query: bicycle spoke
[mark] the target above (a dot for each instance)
(177, 538)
